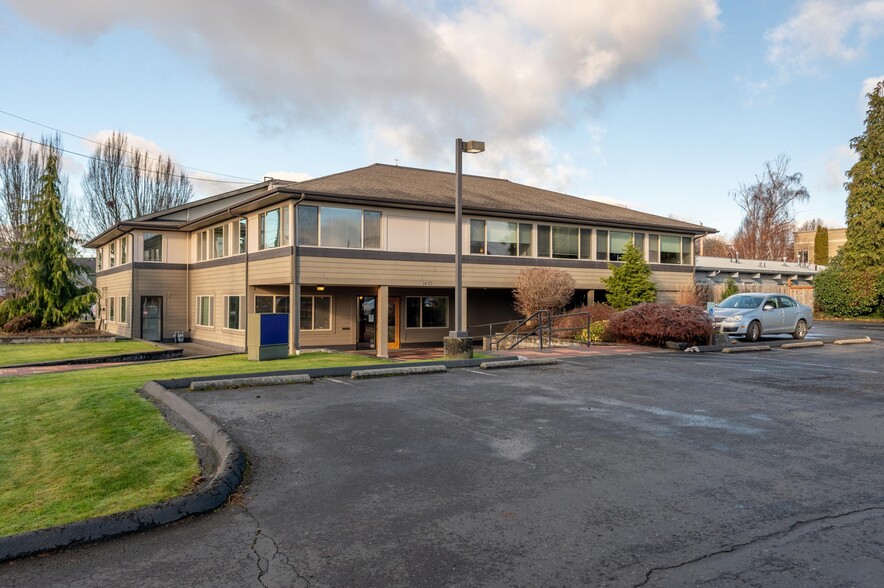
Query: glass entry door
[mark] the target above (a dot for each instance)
(366, 312)
(152, 318)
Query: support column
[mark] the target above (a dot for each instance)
(462, 327)
(294, 313)
(382, 316)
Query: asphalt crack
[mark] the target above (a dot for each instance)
(266, 550)
(774, 535)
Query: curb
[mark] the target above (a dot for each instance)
(226, 478)
(491, 365)
(801, 344)
(138, 356)
(402, 371)
(247, 382)
(859, 341)
(746, 349)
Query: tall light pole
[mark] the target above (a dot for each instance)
(460, 146)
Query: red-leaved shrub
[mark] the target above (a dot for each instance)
(573, 323)
(654, 324)
(20, 324)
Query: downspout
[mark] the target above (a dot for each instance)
(246, 291)
(295, 305)
(132, 287)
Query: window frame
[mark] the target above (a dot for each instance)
(124, 250)
(243, 235)
(421, 314)
(211, 315)
(112, 254)
(124, 303)
(313, 297)
(214, 236)
(112, 309)
(239, 314)
(144, 238)
(262, 229)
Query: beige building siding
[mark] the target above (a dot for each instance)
(263, 272)
(113, 285)
(218, 282)
(171, 285)
(806, 241)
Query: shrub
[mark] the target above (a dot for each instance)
(542, 288)
(730, 288)
(573, 323)
(20, 324)
(655, 324)
(598, 331)
(843, 292)
(693, 293)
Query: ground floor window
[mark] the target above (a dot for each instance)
(315, 313)
(204, 311)
(112, 309)
(267, 304)
(426, 312)
(124, 309)
(232, 312)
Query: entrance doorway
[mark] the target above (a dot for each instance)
(152, 318)
(366, 313)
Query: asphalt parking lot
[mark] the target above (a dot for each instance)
(647, 470)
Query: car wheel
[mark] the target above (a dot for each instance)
(800, 330)
(753, 332)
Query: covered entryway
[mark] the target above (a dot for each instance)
(367, 317)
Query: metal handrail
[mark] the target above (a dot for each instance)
(546, 322)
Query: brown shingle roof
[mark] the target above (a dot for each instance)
(481, 194)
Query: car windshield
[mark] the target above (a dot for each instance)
(741, 302)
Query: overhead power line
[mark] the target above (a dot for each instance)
(69, 152)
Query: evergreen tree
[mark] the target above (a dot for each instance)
(821, 246)
(865, 200)
(630, 283)
(47, 273)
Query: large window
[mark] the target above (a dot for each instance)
(565, 242)
(611, 245)
(585, 243)
(232, 312)
(619, 240)
(124, 309)
(350, 228)
(204, 312)
(243, 235)
(268, 229)
(153, 247)
(500, 238)
(426, 312)
(543, 248)
(670, 249)
(315, 313)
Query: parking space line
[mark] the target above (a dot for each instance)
(482, 373)
(819, 365)
(340, 382)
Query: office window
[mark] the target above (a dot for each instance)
(543, 248)
(153, 247)
(618, 244)
(124, 250)
(502, 238)
(268, 229)
(315, 313)
(202, 246)
(124, 309)
(585, 243)
(670, 249)
(426, 312)
(281, 304)
(601, 245)
(371, 229)
(525, 234)
(99, 258)
(686, 248)
(232, 307)
(340, 227)
(564, 242)
(308, 225)
(112, 309)
(218, 242)
(477, 237)
(285, 225)
(204, 311)
(113, 254)
(263, 304)
(638, 239)
(243, 235)
(654, 248)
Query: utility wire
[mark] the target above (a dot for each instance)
(69, 152)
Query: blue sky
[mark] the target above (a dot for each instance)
(664, 106)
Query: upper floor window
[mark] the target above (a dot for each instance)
(99, 259)
(153, 247)
(113, 254)
(218, 241)
(124, 250)
(610, 245)
(269, 225)
(243, 235)
(669, 249)
(349, 228)
(559, 242)
(500, 238)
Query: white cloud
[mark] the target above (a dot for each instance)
(133, 143)
(825, 30)
(409, 74)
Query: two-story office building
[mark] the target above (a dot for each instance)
(345, 253)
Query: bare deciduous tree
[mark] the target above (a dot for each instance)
(122, 184)
(22, 163)
(712, 246)
(542, 288)
(812, 224)
(769, 212)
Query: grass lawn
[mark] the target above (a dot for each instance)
(36, 352)
(80, 444)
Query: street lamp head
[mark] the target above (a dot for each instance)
(473, 146)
